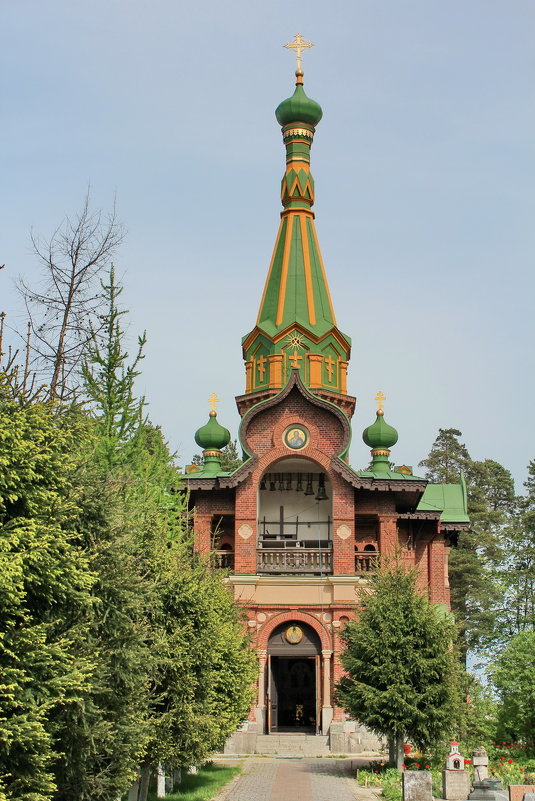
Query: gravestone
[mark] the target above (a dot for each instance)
(455, 785)
(489, 790)
(520, 792)
(480, 761)
(417, 785)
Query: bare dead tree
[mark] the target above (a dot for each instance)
(64, 310)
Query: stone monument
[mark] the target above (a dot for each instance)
(417, 785)
(480, 761)
(455, 779)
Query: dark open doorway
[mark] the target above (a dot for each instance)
(292, 694)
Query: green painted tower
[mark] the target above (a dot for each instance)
(296, 326)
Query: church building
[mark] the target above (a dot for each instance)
(298, 529)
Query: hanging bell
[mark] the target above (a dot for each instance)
(322, 495)
(299, 485)
(272, 486)
(280, 479)
(263, 482)
(288, 481)
(309, 490)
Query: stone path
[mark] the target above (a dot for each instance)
(287, 779)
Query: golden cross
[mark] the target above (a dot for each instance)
(380, 398)
(261, 369)
(212, 400)
(298, 45)
(329, 361)
(296, 358)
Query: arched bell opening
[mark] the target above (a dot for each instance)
(293, 687)
(295, 518)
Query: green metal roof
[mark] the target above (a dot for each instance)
(450, 499)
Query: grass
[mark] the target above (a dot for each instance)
(203, 785)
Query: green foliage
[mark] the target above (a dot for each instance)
(477, 723)
(402, 677)
(402, 672)
(492, 569)
(513, 676)
(46, 581)
(447, 458)
(206, 670)
(203, 785)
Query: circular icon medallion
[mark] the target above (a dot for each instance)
(296, 437)
(294, 634)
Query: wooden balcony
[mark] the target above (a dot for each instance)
(295, 561)
(366, 561)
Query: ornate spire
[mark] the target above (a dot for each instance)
(296, 325)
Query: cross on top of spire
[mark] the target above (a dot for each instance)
(213, 400)
(380, 398)
(298, 45)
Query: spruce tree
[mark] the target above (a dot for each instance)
(46, 585)
(402, 671)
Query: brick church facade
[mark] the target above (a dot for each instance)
(297, 528)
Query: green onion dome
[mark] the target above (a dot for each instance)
(212, 436)
(380, 434)
(299, 107)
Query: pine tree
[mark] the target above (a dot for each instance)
(402, 673)
(513, 676)
(447, 459)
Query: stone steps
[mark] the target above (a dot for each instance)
(293, 745)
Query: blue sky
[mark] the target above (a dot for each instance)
(424, 168)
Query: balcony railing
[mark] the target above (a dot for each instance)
(365, 561)
(224, 559)
(301, 561)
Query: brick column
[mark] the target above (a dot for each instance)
(203, 534)
(343, 528)
(436, 571)
(388, 535)
(326, 707)
(245, 535)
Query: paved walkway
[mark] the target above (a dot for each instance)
(287, 779)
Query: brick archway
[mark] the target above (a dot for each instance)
(285, 617)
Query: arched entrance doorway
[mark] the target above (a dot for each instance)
(293, 686)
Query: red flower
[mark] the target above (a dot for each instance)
(521, 770)
(417, 765)
(428, 766)
(492, 770)
(502, 759)
(504, 743)
(403, 766)
(467, 761)
(509, 760)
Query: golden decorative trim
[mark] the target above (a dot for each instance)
(308, 274)
(323, 273)
(298, 132)
(211, 453)
(380, 452)
(284, 271)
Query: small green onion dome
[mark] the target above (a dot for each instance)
(380, 434)
(299, 107)
(212, 436)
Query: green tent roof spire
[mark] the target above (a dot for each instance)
(296, 324)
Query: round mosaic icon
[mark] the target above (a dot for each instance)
(296, 437)
(294, 634)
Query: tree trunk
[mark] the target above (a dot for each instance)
(396, 755)
(144, 785)
(160, 781)
(133, 793)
